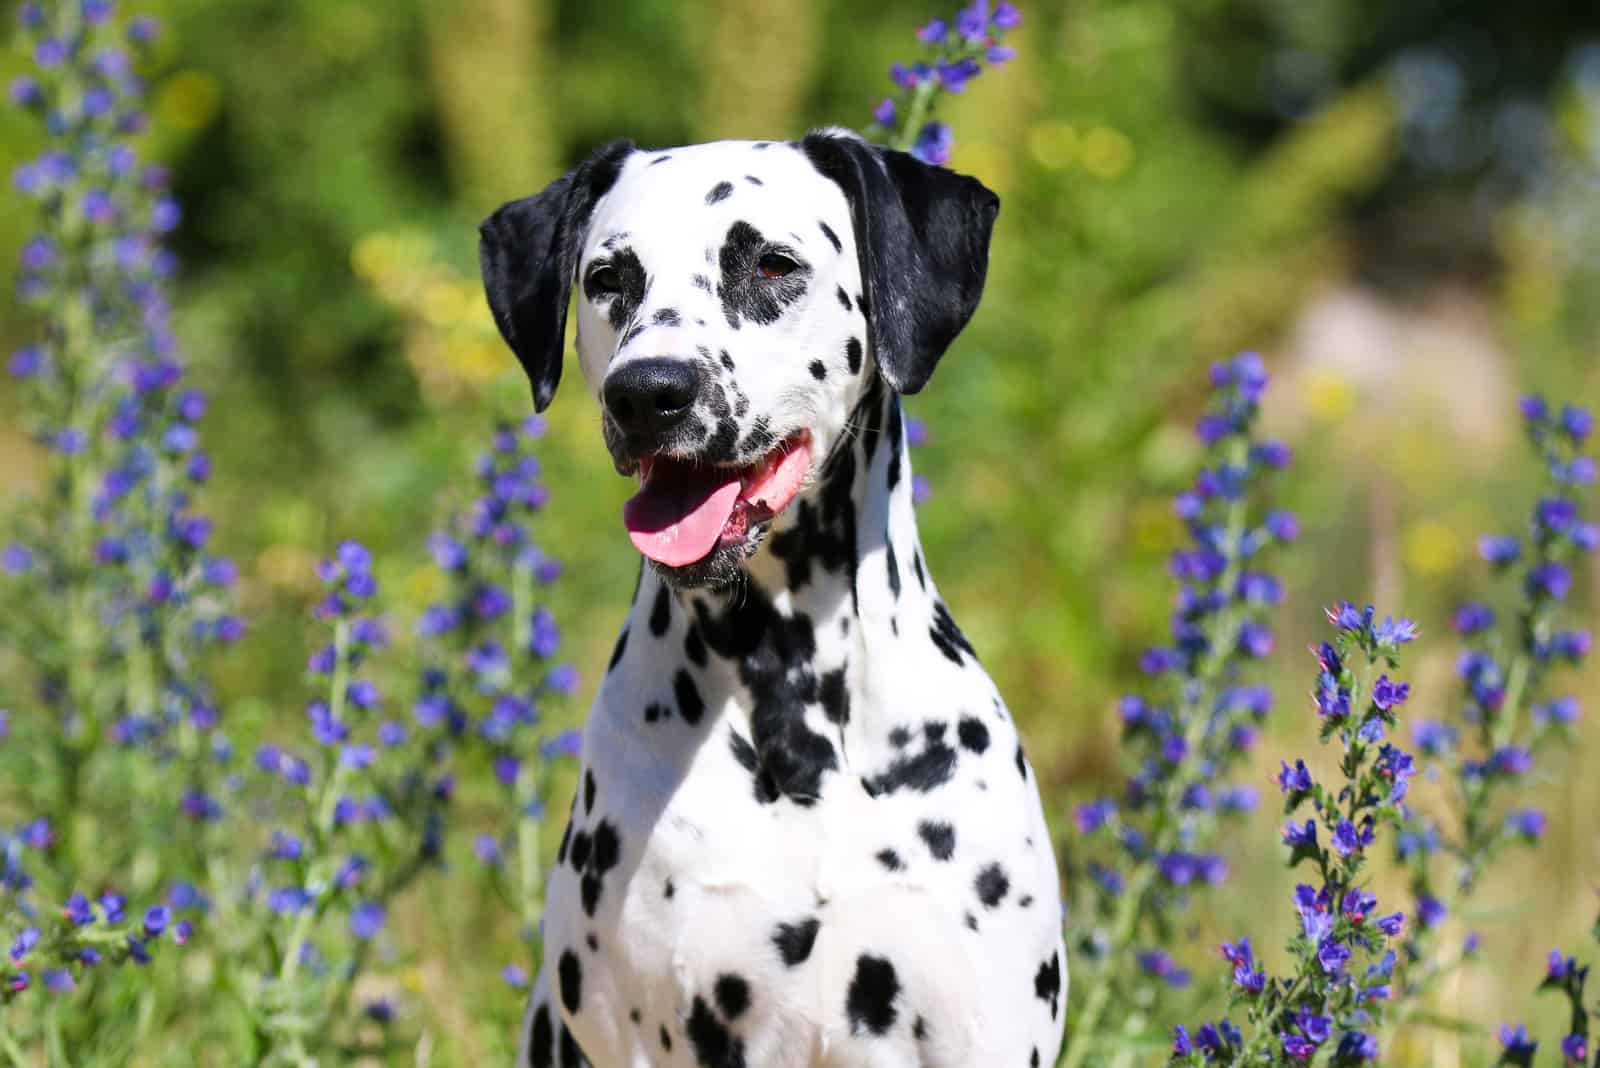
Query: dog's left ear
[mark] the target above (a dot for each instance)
(922, 235)
(528, 251)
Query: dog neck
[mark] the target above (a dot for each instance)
(837, 597)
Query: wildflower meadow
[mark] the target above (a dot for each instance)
(301, 605)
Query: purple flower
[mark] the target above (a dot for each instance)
(1519, 1048)
(1575, 1048)
(1534, 409)
(156, 920)
(563, 679)
(1511, 760)
(1391, 924)
(1246, 976)
(1549, 579)
(1433, 737)
(1157, 661)
(1006, 16)
(933, 144)
(1158, 965)
(1297, 1047)
(1387, 694)
(515, 976)
(78, 911)
(568, 743)
(1357, 1046)
(1094, 815)
(1296, 779)
(933, 33)
(58, 981)
(1349, 840)
(1430, 911)
(998, 55)
(884, 114)
(1332, 955)
(1577, 422)
(26, 940)
(1283, 525)
(972, 22)
(955, 76)
(366, 920)
(1394, 632)
(1181, 1046)
(287, 900)
(1499, 550)
(16, 559)
(362, 693)
(1473, 618)
(1296, 836)
(1527, 823)
(1562, 711)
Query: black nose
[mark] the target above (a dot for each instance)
(647, 399)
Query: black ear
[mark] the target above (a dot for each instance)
(528, 251)
(922, 234)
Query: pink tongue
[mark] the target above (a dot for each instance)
(678, 524)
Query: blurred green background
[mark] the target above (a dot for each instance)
(1397, 203)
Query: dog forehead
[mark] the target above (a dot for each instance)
(692, 194)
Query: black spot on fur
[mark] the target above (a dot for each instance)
(892, 565)
(774, 655)
(667, 317)
(900, 737)
(869, 1003)
(659, 159)
(694, 647)
(992, 885)
(690, 705)
(1033, 1059)
(661, 611)
(835, 698)
(593, 942)
(566, 841)
(833, 238)
(714, 1045)
(896, 448)
(667, 890)
(541, 1039)
(919, 1029)
(623, 304)
(733, 995)
(1025, 901)
(844, 299)
(794, 940)
(656, 711)
(617, 650)
(971, 922)
(1047, 983)
(924, 770)
(746, 295)
(727, 361)
(1022, 763)
(940, 837)
(570, 972)
(890, 860)
(818, 371)
(571, 1055)
(918, 570)
(719, 192)
(852, 355)
(588, 791)
(973, 734)
(666, 1039)
(599, 860)
(582, 844)
(947, 637)
(753, 180)
(701, 282)
(759, 145)
(766, 791)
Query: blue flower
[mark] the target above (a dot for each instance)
(1094, 815)
(1181, 1046)
(1430, 911)
(933, 144)
(1550, 579)
(1296, 779)
(1387, 694)
(1499, 551)
(1473, 618)
(366, 919)
(514, 976)
(287, 900)
(1006, 16)
(1394, 632)
(1357, 1046)
(1527, 823)
(1517, 1047)
(884, 113)
(934, 32)
(1576, 422)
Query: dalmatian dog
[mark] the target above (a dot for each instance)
(805, 834)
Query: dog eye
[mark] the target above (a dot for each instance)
(604, 280)
(775, 265)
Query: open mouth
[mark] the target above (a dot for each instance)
(684, 510)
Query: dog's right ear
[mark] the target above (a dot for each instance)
(528, 251)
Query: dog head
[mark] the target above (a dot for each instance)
(735, 300)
